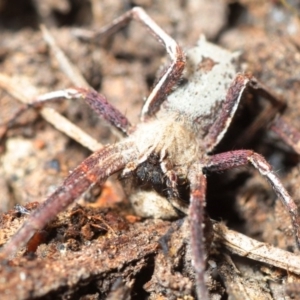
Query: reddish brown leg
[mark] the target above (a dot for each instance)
(230, 105)
(233, 159)
(174, 71)
(95, 100)
(96, 168)
(196, 218)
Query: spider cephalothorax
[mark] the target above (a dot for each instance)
(149, 176)
(167, 154)
(166, 150)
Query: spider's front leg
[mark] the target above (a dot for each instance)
(173, 73)
(98, 102)
(237, 158)
(95, 169)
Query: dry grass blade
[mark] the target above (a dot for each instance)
(244, 246)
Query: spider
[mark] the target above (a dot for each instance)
(167, 155)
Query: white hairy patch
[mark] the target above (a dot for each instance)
(171, 139)
(169, 136)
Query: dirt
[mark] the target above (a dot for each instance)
(85, 252)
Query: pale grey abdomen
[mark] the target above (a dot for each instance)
(208, 74)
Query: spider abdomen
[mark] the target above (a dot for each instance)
(196, 98)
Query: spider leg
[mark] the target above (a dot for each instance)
(233, 159)
(95, 100)
(173, 73)
(230, 105)
(96, 168)
(196, 217)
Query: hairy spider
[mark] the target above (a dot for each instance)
(170, 150)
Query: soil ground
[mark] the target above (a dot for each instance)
(99, 249)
